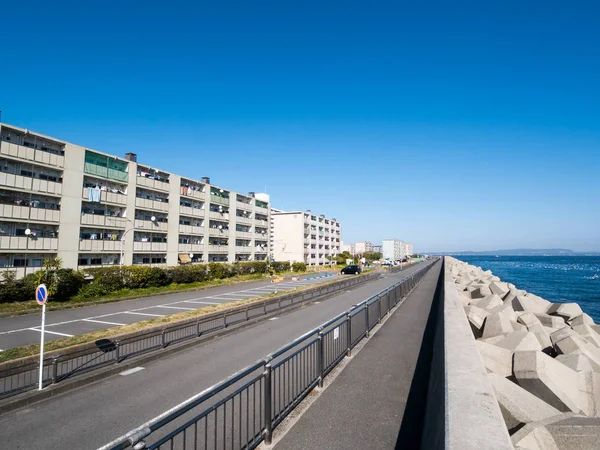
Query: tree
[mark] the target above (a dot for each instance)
(372, 256)
(48, 276)
(341, 258)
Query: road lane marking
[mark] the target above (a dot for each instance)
(130, 371)
(175, 307)
(143, 314)
(103, 322)
(51, 332)
(238, 294)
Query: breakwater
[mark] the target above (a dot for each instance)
(542, 360)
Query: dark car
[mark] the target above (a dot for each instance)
(353, 269)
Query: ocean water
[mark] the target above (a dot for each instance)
(555, 278)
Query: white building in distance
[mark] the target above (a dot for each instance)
(362, 247)
(298, 236)
(349, 248)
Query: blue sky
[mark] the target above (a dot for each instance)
(452, 125)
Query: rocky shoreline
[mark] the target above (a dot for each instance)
(542, 359)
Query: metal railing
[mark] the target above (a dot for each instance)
(242, 410)
(24, 377)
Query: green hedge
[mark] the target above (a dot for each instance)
(299, 267)
(68, 283)
(280, 266)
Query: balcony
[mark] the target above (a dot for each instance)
(103, 221)
(191, 248)
(260, 222)
(218, 215)
(219, 200)
(151, 204)
(190, 229)
(244, 220)
(189, 211)
(218, 249)
(151, 226)
(152, 184)
(31, 154)
(149, 246)
(27, 212)
(30, 184)
(218, 232)
(106, 197)
(240, 249)
(28, 243)
(244, 235)
(100, 245)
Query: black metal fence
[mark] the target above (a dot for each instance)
(17, 379)
(242, 410)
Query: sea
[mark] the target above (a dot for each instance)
(556, 278)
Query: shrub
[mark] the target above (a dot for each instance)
(182, 274)
(109, 278)
(13, 290)
(93, 290)
(218, 271)
(280, 266)
(246, 268)
(68, 284)
(299, 267)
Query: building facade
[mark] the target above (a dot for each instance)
(59, 199)
(408, 249)
(377, 248)
(304, 237)
(349, 248)
(362, 247)
(395, 249)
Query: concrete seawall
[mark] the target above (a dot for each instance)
(519, 371)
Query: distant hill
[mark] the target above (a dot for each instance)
(524, 252)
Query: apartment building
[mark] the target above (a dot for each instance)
(93, 209)
(350, 248)
(395, 249)
(362, 247)
(303, 236)
(377, 248)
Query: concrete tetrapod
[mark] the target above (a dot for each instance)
(567, 431)
(496, 359)
(518, 406)
(496, 324)
(567, 311)
(551, 381)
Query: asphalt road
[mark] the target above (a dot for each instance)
(365, 406)
(89, 417)
(24, 330)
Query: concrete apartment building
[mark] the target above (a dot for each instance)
(59, 199)
(377, 248)
(305, 237)
(349, 248)
(362, 247)
(395, 249)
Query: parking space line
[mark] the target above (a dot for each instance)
(51, 332)
(103, 322)
(237, 294)
(174, 307)
(143, 314)
(202, 303)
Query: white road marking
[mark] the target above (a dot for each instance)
(274, 318)
(103, 322)
(143, 314)
(202, 303)
(238, 294)
(130, 371)
(175, 307)
(51, 332)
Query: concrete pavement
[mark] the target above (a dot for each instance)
(91, 416)
(364, 407)
(24, 330)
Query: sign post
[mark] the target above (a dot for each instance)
(41, 296)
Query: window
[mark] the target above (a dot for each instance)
(20, 262)
(96, 261)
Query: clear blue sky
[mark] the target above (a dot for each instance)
(453, 125)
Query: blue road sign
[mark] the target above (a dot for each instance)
(41, 294)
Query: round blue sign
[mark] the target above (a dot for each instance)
(41, 294)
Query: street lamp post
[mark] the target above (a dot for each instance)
(152, 219)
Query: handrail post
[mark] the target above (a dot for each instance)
(367, 319)
(349, 335)
(378, 310)
(55, 369)
(198, 332)
(164, 338)
(320, 358)
(268, 433)
(117, 352)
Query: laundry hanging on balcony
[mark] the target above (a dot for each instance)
(94, 195)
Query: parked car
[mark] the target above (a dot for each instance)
(351, 269)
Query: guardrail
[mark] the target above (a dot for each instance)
(24, 377)
(242, 410)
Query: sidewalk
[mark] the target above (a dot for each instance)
(365, 406)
